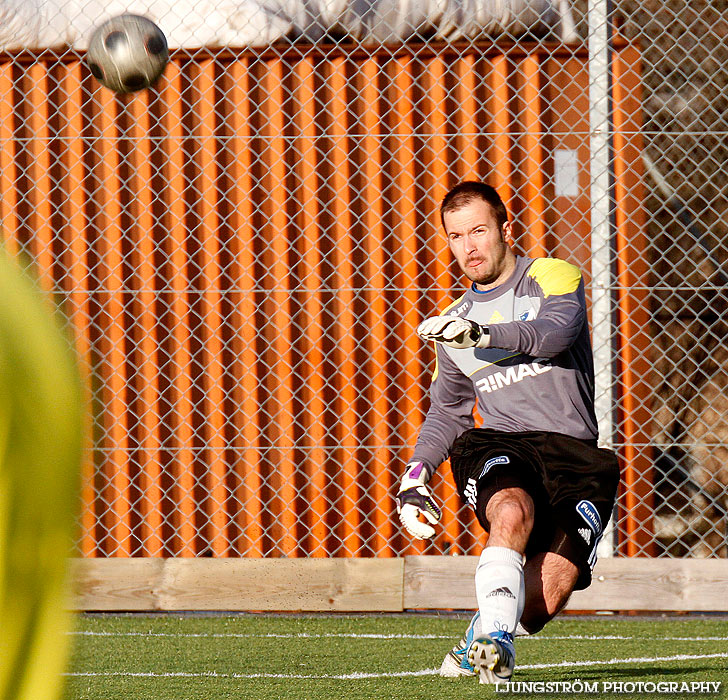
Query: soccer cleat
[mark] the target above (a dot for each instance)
(455, 664)
(493, 657)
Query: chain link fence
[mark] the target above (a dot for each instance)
(244, 251)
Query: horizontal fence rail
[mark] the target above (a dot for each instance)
(373, 584)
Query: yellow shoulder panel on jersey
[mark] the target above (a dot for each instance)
(555, 276)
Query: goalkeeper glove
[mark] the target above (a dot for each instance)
(414, 499)
(454, 332)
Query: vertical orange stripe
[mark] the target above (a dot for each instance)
(633, 304)
(8, 164)
(76, 264)
(312, 340)
(108, 245)
(211, 327)
(248, 419)
(406, 369)
(41, 188)
(146, 327)
(181, 492)
(384, 469)
(341, 253)
(502, 174)
(468, 131)
(435, 174)
(279, 359)
(534, 180)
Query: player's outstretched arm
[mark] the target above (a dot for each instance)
(454, 332)
(414, 500)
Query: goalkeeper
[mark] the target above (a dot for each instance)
(517, 342)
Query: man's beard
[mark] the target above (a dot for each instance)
(483, 278)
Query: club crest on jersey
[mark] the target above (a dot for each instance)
(524, 314)
(588, 511)
(503, 459)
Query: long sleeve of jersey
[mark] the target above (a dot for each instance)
(537, 373)
(452, 400)
(560, 319)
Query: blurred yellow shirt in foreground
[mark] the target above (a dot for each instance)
(40, 453)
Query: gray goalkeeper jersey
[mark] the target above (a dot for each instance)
(538, 372)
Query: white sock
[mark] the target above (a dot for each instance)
(521, 631)
(499, 588)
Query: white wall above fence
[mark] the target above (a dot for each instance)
(39, 24)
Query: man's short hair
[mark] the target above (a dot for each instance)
(468, 191)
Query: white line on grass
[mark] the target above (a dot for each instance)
(234, 635)
(632, 660)
(353, 635)
(401, 674)
(599, 637)
(292, 676)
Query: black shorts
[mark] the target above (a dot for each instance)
(572, 482)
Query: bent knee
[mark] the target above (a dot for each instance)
(510, 513)
(513, 506)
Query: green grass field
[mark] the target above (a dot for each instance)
(257, 657)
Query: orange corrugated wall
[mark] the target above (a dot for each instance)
(178, 251)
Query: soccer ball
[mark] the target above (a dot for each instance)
(127, 53)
